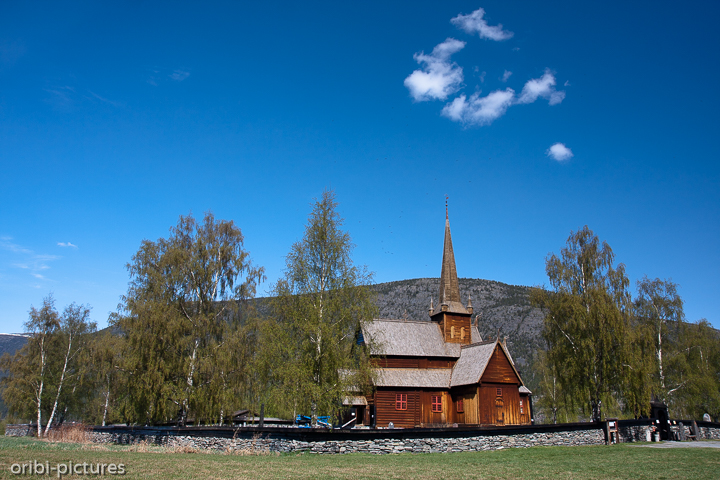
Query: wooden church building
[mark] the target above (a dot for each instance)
(440, 372)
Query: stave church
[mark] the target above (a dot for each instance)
(439, 371)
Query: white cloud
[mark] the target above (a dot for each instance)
(541, 87)
(475, 23)
(559, 152)
(66, 244)
(26, 259)
(438, 77)
(506, 74)
(179, 75)
(103, 99)
(479, 110)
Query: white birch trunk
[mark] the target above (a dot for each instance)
(40, 387)
(60, 385)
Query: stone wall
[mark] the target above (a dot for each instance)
(382, 441)
(275, 443)
(20, 430)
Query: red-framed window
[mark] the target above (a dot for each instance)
(522, 409)
(401, 401)
(460, 405)
(437, 403)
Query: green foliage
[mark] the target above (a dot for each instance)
(44, 381)
(309, 361)
(181, 305)
(601, 348)
(694, 372)
(587, 322)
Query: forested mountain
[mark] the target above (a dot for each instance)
(11, 342)
(503, 309)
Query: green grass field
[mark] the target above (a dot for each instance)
(142, 462)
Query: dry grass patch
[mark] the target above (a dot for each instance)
(69, 433)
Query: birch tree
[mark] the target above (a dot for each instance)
(42, 375)
(74, 326)
(660, 308)
(182, 298)
(320, 303)
(587, 320)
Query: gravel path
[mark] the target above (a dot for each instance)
(700, 444)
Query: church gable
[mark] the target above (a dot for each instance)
(499, 368)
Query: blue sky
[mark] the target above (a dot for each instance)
(118, 117)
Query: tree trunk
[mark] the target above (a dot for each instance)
(60, 385)
(107, 400)
(40, 387)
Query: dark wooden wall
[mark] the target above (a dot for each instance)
(414, 362)
(499, 369)
(385, 408)
(450, 320)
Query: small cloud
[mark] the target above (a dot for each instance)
(482, 77)
(506, 74)
(475, 23)
(559, 152)
(37, 275)
(61, 96)
(66, 244)
(479, 110)
(438, 77)
(103, 99)
(541, 87)
(179, 75)
(567, 83)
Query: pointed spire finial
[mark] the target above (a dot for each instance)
(446, 207)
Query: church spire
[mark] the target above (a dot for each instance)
(449, 287)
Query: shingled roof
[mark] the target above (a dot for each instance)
(411, 338)
(474, 360)
(414, 377)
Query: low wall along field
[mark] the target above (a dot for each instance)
(383, 441)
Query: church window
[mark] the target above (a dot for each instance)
(498, 392)
(462, 333)
(522, 410)
(401, 401)
(452, 332)
(437, 403)
(460, 405)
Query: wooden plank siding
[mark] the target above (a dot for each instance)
(413, 362)
(503, 409)
(385, 411)
(452, 325)
(499, 369)
(436, 418)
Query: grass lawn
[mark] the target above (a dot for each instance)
(616, 461)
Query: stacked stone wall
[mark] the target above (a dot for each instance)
(260, 443)
(383, 441)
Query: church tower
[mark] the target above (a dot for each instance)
(450, 314)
